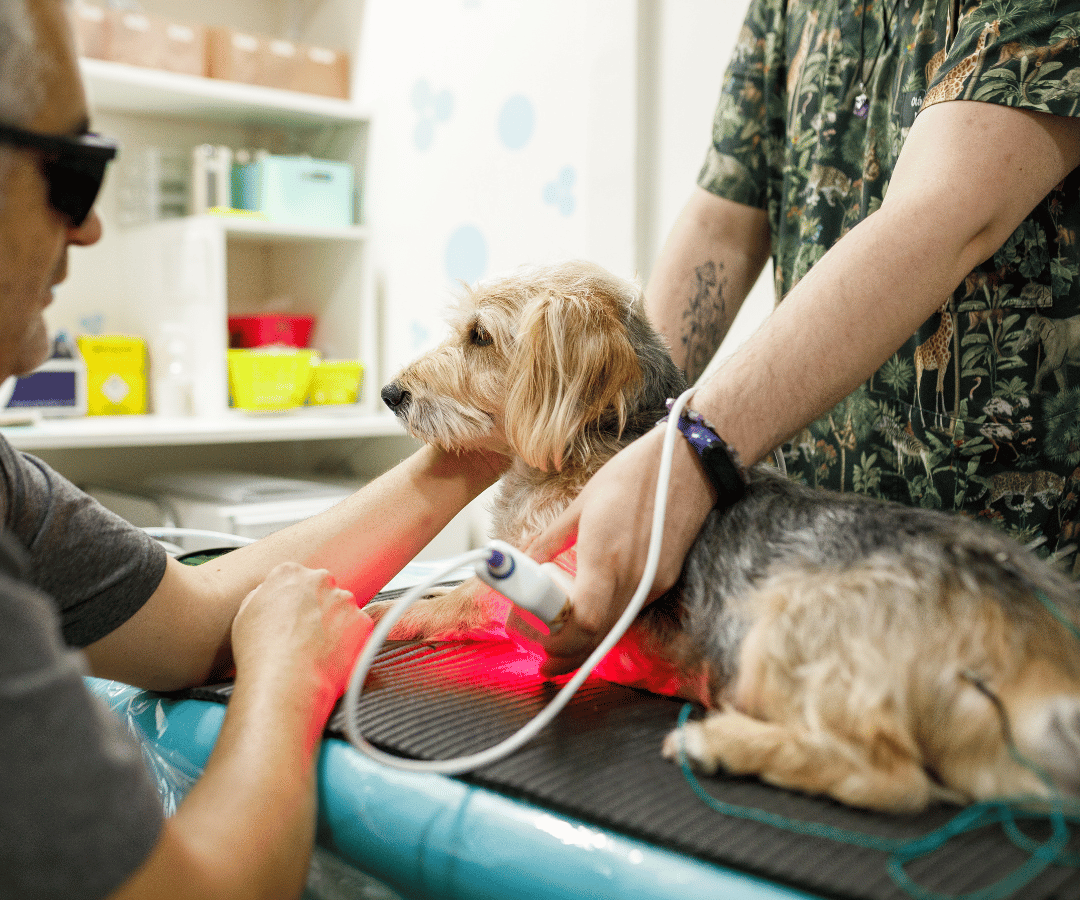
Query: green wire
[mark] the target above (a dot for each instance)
(902, 852)
(1052, 608)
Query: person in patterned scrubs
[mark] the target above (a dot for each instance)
(910, 168)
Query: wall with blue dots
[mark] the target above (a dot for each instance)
(503, 134)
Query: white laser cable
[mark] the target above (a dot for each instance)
(543, 718)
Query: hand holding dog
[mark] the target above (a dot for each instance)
(612, 546)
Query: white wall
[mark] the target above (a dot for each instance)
(509, 132)
(502, 135)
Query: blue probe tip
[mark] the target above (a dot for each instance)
(499, 564)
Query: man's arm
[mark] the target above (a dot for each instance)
(968, 175)
(246, 828)
(181, 636)
(709, 263)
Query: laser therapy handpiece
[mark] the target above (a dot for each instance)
(542, 589)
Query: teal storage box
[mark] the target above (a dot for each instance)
(296, 190)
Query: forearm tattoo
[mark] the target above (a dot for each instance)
(704, 319)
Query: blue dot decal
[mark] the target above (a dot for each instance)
(560, 192)
(516, 121)
(424, 134)
(431, 108)
(420, 336)
(466, 254)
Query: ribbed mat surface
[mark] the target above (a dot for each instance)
(600, 762)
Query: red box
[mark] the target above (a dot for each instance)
(262, 330)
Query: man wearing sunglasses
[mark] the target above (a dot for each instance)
(81, 591)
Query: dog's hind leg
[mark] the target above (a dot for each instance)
(791, 757)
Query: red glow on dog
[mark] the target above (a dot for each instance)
(510, 657)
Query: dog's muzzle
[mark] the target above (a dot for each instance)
(394, 396)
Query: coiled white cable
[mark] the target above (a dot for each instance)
(547, 714)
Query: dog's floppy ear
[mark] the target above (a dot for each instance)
(572, 363)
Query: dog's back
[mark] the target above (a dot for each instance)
(934, 645)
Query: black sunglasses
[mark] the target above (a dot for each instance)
(74, 167)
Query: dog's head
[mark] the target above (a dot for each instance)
(553, 365)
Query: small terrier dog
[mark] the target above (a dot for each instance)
(886, 656)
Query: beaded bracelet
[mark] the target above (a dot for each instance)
(719, 461)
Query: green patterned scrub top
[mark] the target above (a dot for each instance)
(978, 411)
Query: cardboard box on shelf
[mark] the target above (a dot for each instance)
(272, 62)
(323, 71)
(156, 43)
(281, 64)
(235, 56)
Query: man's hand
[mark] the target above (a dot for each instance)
(299, 624)
(612, 522)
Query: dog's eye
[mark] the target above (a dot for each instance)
(479, 336)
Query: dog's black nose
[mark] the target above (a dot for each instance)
(395, 397)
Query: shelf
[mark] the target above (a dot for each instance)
(118, 87)
(245, 228)
(235, 427)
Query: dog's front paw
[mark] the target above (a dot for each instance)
(378, 610)
(691, 741)
(441, 614)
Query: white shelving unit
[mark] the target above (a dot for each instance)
(122, 88)
(198, 270)
(204, 268)
(232, 427)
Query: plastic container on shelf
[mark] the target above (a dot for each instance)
(116, 379)
(172, 358)
(296, 190)
(270, 378)
(335, 382)
(270, 328)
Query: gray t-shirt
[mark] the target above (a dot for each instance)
(78, 810)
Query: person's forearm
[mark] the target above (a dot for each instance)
(968, 176)
(711, 260)
(246, 828)
(367, 539)
(181, 636)
(837, 327)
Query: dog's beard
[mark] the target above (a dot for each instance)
(451, 425)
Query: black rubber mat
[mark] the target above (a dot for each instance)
(600, 762)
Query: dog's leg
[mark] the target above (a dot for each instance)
(443, 613)
(790, 757)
